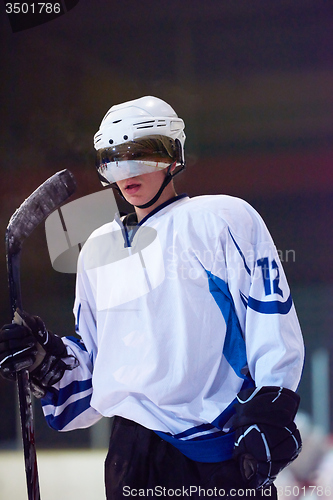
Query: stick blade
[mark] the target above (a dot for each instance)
(41, 203)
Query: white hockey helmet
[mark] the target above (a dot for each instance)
(138, 137)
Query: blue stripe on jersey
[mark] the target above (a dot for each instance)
(78, 319)
(78, 342)
(51, 397)
(209, 447)
(240, 253)
(194, 430)
(273, 307)
(234, 345)
(69, 413)
(226, 415)
(207, 435)
(244, 299)
(59, 397)
(218, 423)
(205, 450)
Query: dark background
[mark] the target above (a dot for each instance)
(253, 82)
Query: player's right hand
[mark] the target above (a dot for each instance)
(18, 349)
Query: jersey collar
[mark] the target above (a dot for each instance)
(132, 220)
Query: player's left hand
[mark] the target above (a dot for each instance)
(18, 349)
(27, 344)
(267, 439)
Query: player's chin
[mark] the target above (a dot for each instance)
(131, 199)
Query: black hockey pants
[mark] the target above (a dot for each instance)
(140, 464)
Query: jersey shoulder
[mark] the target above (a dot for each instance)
(220, 204)
(225, 211)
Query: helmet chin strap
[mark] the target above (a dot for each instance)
(165, 182)
(168, 178)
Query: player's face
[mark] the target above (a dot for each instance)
(140, 189)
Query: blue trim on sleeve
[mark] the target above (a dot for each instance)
(51, 397)
(78, 342)
(272, 307)
(61, 396)
(70, 413)
(234, 348)
(78, 319)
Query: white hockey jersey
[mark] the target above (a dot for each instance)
(176, 316)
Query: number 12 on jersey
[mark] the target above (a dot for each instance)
(271, 276)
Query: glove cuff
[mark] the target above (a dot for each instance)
(49, 372)
(269, 405)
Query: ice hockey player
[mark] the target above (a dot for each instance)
(188, 333)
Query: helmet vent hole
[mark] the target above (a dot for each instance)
(111, 141)
(117, 121)
(125, 137)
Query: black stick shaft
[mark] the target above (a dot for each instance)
(35, 209)
(24, 393)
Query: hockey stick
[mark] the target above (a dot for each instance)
(40, 204)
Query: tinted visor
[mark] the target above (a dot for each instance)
(144, 155)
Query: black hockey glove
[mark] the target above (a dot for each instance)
(267, 439)
(18, 349)
(27, 344)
